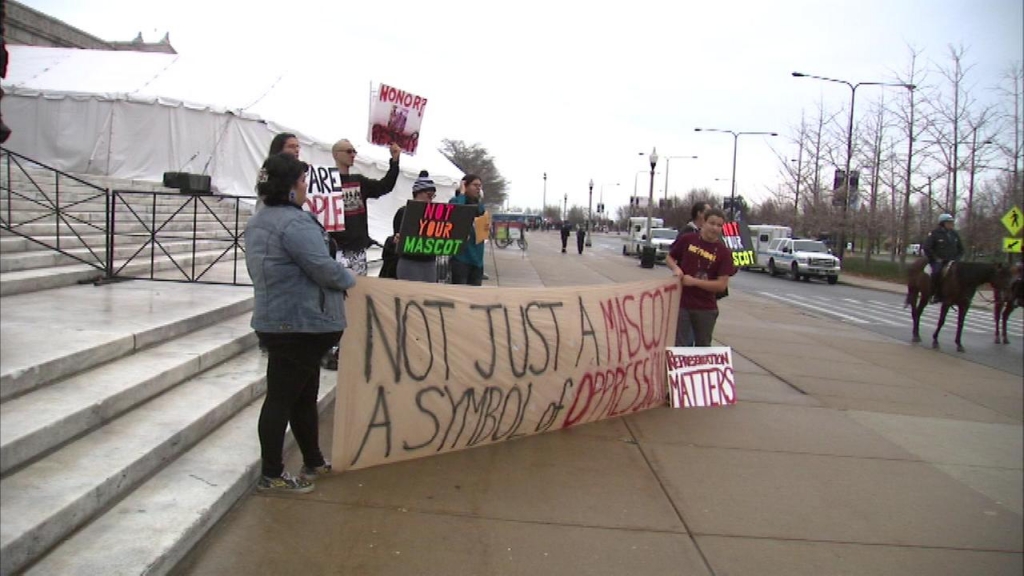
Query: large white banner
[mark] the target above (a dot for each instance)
(432, 368)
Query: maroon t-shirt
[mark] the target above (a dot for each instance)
(701, 259)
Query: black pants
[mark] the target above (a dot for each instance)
(463, 273)
(695, 327)
(293, 383)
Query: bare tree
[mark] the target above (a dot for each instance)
(912, 128)
(951, 117)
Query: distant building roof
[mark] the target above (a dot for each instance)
(29, 27)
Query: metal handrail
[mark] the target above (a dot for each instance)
(123, 207)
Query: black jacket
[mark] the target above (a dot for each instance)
(943, 245)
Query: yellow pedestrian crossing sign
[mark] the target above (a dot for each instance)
(1013, 245)
(1014, 221)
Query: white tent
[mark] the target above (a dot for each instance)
(137, 115)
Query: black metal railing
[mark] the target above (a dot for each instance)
(33, 226)
(170, 220)
(128, 234)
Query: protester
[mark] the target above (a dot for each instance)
(696, 217)
(353, 241)
(283, 142)
(299, 313)
(703, 263)
(357, 189)
(417, 267)
(288, 143)
(942, 246)
(467, 267)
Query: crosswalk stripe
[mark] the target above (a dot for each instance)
(812, 307)
(888, 313)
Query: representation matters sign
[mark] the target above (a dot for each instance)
(432, 368)
(701, 377)
(325, 196)
(432, 229)
(395, 116)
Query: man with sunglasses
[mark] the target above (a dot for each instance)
(356, 190)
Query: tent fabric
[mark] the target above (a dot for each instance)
(137, 115)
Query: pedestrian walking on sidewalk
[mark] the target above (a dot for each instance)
(565, 231)
(468, 265)
(299, 313)
(581, 238)
(703, 264)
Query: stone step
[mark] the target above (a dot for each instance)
(154, 527)
(38, 422)
(126, 227)
(35, 259)
(26, 369)
(46, 501)
(12, 283)
(49, 194)
(98, 214)
(97, 241)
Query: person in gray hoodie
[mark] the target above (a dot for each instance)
(299, 314)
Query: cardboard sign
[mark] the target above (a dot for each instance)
(432, 229)
(736, 236)
(325, 196)
(701, 377)
(432, 368)
(395, 116)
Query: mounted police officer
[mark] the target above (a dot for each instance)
(942, 246)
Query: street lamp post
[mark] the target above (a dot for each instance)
(565, 210)
(544, 201)
(590, 205)
(849, 141)
(648, 256)
(735, 142)
(668, 161)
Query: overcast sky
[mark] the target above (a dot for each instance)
(576, 92)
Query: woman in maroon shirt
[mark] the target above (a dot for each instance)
(703, 263)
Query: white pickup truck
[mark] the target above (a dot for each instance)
(802, 258)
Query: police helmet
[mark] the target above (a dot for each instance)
(945, 218)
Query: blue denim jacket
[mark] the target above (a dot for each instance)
(298, 286)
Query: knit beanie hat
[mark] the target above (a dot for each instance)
(423, 184)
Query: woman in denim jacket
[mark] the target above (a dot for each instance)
(299, 314)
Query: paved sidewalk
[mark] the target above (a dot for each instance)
(847, 453)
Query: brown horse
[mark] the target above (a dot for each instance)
(1006, 302)
(959, 285)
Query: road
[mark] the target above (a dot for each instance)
(876, 311)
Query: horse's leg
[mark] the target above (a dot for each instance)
(961, 314)
(916, 307)
(938, 325)
(1006, 318)
(997, 314)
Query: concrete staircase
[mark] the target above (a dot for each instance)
(128, 410)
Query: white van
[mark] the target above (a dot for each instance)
(761, 235)
(638, 234)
